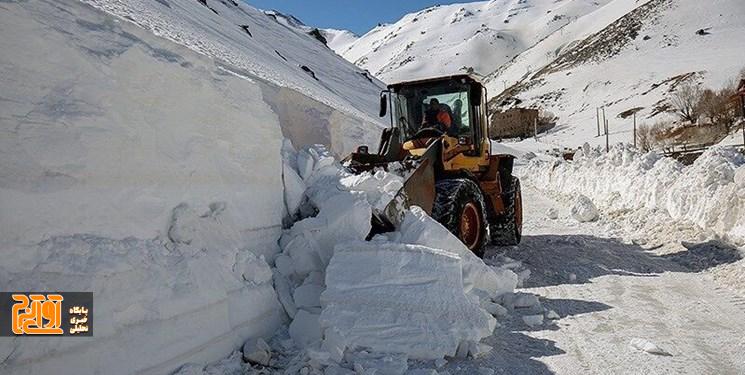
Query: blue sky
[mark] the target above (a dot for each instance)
(358, 16)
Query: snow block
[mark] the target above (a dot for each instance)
(533, 320)
(294, 188)
(400, 298)
(305, 329)
(257, 352)
(418, 228)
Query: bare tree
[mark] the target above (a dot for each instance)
(716, 107)
(684, 101)
(644, 138)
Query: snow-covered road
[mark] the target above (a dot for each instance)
(609, 295)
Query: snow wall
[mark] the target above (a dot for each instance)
(710, 193)
(146, 173)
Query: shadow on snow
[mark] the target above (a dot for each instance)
(572, 259)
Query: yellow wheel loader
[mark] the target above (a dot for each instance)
(438, 141)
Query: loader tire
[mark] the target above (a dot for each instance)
(507, 229)
(459, 207)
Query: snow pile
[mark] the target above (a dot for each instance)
(708, 193)
(418, 292)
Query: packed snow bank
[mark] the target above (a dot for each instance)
(418, 292)
(709, 193)
(147, 174)
(318, 96)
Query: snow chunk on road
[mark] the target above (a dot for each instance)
(375, 363)
(647, 346)
(524, 300)
(257, 352)
(533, 320)
(584, 210)
(393, 297)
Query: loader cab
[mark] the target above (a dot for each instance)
(413, 118)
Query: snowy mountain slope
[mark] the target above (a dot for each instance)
(634, 62)
(339, 39)
(479, 36)
(151, 174)
(269, 46)
(569, 57)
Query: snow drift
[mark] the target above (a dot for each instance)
(710, 193)
(150, 173)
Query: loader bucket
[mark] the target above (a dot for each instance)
(418, 190)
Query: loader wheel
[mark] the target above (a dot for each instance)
(507, 229)
(459, 207)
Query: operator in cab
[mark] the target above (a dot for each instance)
(438, 116)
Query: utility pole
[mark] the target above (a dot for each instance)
(607, 139)
(597, 116)
(605, 121)
(634, 129)
(742, 122)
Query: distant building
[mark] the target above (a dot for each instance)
(740, 98)
(516, 123)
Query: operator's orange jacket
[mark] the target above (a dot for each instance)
(443, 117)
